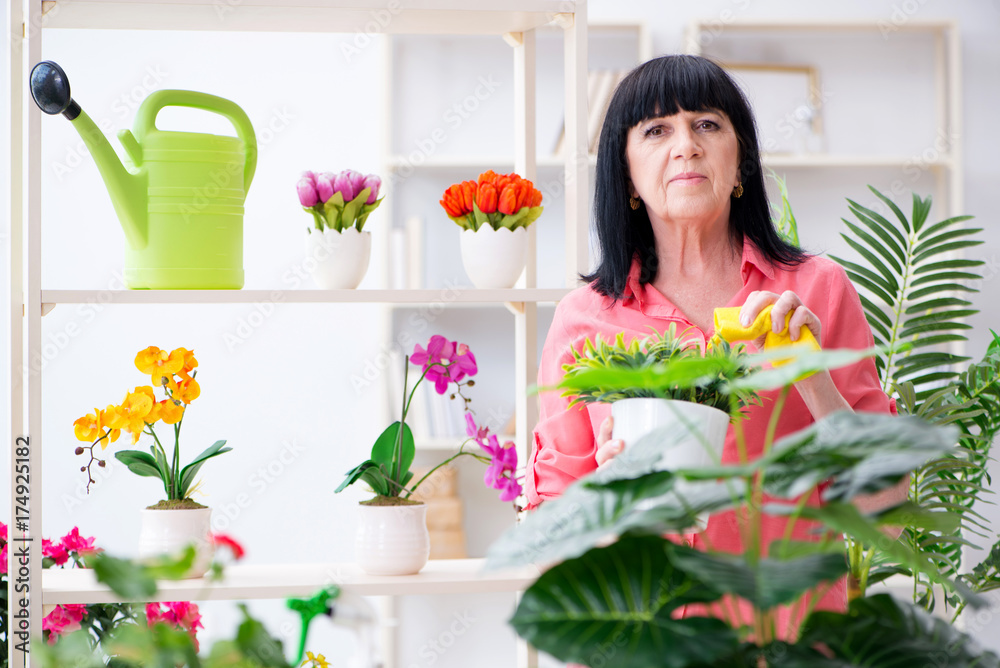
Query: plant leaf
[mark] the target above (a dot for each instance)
(142, 463)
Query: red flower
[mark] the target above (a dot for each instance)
(63, 619)
(223, 539)
(54, 551)
(179, 614)
(486, 198)
(74, 542)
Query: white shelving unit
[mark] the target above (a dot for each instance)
(517, 22)
(705, 38)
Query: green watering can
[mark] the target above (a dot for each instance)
(180, 197)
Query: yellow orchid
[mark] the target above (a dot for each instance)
(88, 428)
(135, 409)
(170, 412)
(187, 390)
(190, 363)
(113, 421)
(174, 375)
(158, 364)
(315, 661)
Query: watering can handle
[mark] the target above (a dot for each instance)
(145, 119)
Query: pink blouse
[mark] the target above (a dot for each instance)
(564, 441)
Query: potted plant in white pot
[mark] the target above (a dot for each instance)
(338, 249)
(392, 535)
(701, 412)
(177, 521)
(494, 214)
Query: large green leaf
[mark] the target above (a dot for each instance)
(191, 470)
(632, 493)
(767, 583)
(141, 463)
(134, 581)
(384, 450)
(880, 632)
(620, 601)
(861, 452)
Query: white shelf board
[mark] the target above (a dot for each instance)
(913, 25)
(326, 16)
(446, 295)
(786, 160)
(849, 160)
(445, 576)
(477, 163)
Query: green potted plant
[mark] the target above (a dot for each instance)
(701, 411)
(912, 288)
(599, 602)
(392, 534)
(177, 520)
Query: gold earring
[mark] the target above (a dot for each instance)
(738, 190)
(634, 203)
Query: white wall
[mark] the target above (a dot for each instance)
(286, 385)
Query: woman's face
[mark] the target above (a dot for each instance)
(684, 167)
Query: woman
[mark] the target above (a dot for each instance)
(684, 227)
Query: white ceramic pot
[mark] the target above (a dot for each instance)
(494, 259)
(169, 532)
(392, 540)
(337, 260)
(703, 430)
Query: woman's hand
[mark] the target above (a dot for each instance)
(818, 392)
(785, 303)
(606, 447)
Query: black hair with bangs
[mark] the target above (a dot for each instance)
(662, 87)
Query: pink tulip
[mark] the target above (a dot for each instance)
(309, 175)
(373, 182)
(307, 192)
(324, 186)
(357, 180)
(345, 186)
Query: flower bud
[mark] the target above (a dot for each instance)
(83, 468)
(307, 192)
(79, 451)
(324, 186)
(344, 186)
(375, 183)
(101, 463)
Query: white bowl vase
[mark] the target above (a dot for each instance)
(337, 260)
(494, 259)
(703, 430)
(392, 540)
(169, 532)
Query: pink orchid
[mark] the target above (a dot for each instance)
(475, 432)
(444, 361)
(500, 473)
(64, 619)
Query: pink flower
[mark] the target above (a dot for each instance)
(179, 614)
(373, 182)
(307, 192)
(54, 551)
(3, 559)
(324, 185)
(3, 532)
(223, 539)
(475, 432)
(500, 473)
(64, 619)
(74, 542)
(345, 185)
(444, 361)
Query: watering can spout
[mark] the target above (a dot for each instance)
(128, 190)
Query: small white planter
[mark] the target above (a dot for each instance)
(169, 532)
(392, 540)
(494, 259)
(337, 260)
(703, 430)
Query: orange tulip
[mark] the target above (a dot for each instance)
(508, 204)
(487, 197)
(468, 194)
(489, 176)
(536, 198)
(453, 201)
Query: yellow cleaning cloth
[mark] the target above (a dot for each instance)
(728, 327)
